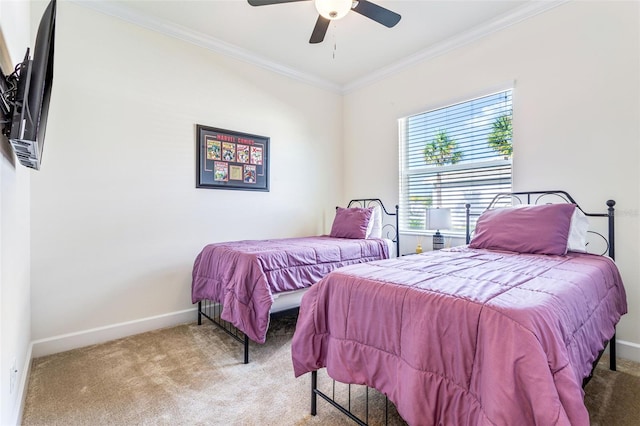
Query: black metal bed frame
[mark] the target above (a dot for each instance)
(315, 392)
(212, 310)
(609, 240)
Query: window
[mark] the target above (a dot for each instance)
(452, 156)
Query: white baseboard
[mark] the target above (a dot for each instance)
(65, 342)
(628, 350)
(22, 389)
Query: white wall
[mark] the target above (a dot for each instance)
(114, 216)
(116, 219)
(15, 311)
(576, 117)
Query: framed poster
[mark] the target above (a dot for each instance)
(231, 160)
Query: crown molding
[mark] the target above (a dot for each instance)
(506, 20)
(204, 41)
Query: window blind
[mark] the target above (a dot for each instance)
(452, 156)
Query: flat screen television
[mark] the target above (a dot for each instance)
(30, 105)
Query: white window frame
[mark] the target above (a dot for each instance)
(410, 215)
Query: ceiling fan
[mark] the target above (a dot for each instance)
(330, 10)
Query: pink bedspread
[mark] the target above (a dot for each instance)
(243, 275)
(465, 337)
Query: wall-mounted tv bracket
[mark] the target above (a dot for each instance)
(8, 90)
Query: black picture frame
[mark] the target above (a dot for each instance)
(227, 159)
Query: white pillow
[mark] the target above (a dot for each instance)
(577, 240)
(374, 229)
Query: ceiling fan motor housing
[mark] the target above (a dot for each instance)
(330, 10)
(333, 9)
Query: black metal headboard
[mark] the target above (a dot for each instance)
(389, 226)
(504, 199)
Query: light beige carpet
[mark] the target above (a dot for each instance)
(193, 375)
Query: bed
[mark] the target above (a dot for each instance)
(241, 285)
(504, 330)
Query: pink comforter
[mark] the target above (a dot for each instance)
(243, 275)
(463, 336)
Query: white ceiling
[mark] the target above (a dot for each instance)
(356, 50)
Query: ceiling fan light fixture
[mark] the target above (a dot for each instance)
(333, 9)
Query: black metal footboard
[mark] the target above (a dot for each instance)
(212, 310)
(363, 419)
(612, 353)
(612, 359)
(346, 408)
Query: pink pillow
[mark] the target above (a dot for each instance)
(540, 229)
(351, 223)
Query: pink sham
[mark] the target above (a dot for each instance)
(351, 223)
(542, 229)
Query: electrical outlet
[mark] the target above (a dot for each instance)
(13, 376)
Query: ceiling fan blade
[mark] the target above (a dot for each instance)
(266, 2)
(377, 13)
(319, 31)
